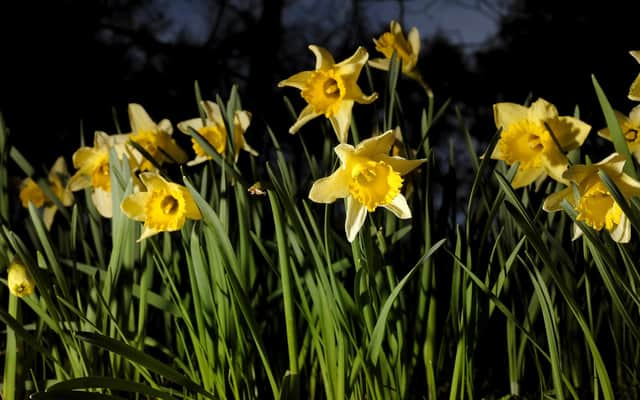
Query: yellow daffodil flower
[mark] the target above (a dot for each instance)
(154, 138)
(634, 90)
(164, 207)
(630, 129)
(215, 132)
(19, 280)
(368, 177)
(32, 193)
(92, 164)
(407, 50)
(595, 205)
(330, 90)
(526, 138)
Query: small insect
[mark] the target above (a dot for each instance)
(257, 190)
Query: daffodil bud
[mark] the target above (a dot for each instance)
(20, 281)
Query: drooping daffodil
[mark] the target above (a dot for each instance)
(19, 279)
(407, 49)
(163, 207)
(630, 126)
(154, 138)
(634, 90)
(32, 193)
(368, 177)
(214, 130)
(595, 204)
(527, 137)
(92, 164)
(330, 90)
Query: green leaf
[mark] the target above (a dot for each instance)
(114, 384)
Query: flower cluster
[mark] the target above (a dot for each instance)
(537, 138)
(368, 176)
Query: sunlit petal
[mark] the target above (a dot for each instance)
(330, 188)
(356, 216)
(399, 207)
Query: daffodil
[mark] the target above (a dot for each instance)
(594, 204)
(330, 90)
(634, 90)
(92, 164)
(527, 137)
(32, 193)
(213, 129)
(19, 280)
(154, 138)
(406, 48)
(630, 129)
(367, 178)
(164, 207)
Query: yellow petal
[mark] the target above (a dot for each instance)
(622, 231)
(153, 181)
(243, 119)
(526, 177)
(569, 131)
(634, 90)
(414, 40)
(402, 165)
(341, 120)
(554, 200)
(377, 145)
(102, 201)
(380, 63)
(305, 116)
(328, 189)
(542, 110)
(351, 67)
(194, 123)
(59, 168)
(634, 116)
(147, 232)
(505, 114)
(344, 151)
(191, 209)
(621, 118)
(165, 127)
(324, 59)
(133, 205)
(139, 119)
(19, 279)
(82, 156)
(399, 207)
(47, 216)
(298, 81)
(355, 218)
(555, 164)
(212, 111)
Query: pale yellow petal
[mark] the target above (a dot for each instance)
(351, 67)
(577, 232)
(380, 63)
(526, 177)
(355, 218)
(197, 160)
(634, 90)
(133, 205)
(569, 131)
(402, 165)
(212, 111)
(47, 216)
(147, 232)
(328, 189)
(553, 202)
(100, 139)
(79, 181)
(622, 231)
(243, 119)
(82, 156)
(505, 114)
(414, 40)
(344, 151)
(59, 168)
(139, 119)
(165, 126)
(614, 162)
(194, 123)
(377, 145)
(191, 209)
(153, 182)
(306, 115)
(555, 164)
(102, 201)
(621, 118)
(324, 59)
(341, 120)
(634, 116)
(399, 207)
(298, 81)
(395, 27)
(542, 110)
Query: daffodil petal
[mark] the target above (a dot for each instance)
(82, 156)
(146, 233)
(197, 160)
(380, 63)
(577, 232)
(341, 120)
(328, 189)
(634, 116)
(553, 202)
(305, 116)
(191, 209)
(505, 114)
(375, 145)
(212, 111)
(139, 119)
(399, 207)
(569, 131)
(153, 181)
(402, 165)
(355, 218)
(555, 164)
(102, 201)
(634, 90)
(47, 216)
(243, 118)
(542, 110)
(526, 177)
(193, 123)
(622, 231)
(351, 67)
(298, 81)
(414, 40)
(133, 205)
(324, 59)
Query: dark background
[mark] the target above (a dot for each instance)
(67, 63)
